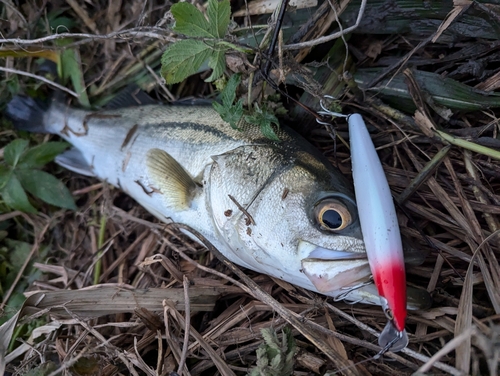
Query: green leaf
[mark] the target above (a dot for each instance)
(265, 121)
(40, 155)
(275, 357)
(183, 59)
(14, 196)
(18, 253)
(228, 95)
(5, 174)
(219, 16)
(228, 112)
(45, 369)
(70, 67)
(13, 151)
(443, 91)
(46, 187)
(190, 21)
(231, 114)
(217, 61)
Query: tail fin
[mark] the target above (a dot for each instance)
(27, 113)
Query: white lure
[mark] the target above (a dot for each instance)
(381, 235)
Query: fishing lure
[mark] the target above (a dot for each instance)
(380, 229)
(381, 235)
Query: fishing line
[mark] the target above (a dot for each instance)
(272, 46)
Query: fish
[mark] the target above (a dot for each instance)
(381, 234)
(275, 207)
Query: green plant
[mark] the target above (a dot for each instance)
(275, 358)
(233, 112)
(204, 43)
(229, 111)
(20, 172)
(184, 57)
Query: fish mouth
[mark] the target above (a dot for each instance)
(332, 271)
(345, 276)
(308, 250)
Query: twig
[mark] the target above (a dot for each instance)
(145, 367)
(187, 326)
(109, 346)
(16, 11)
(222, 367)
(315, 42)
(82, 13)
(161, 356)
(20, 273)
(69, 363)
(204, 268)
(468, 145)
(41, 78)
(150, 32)
(243, 210)
(423, 175)
(400, 63)
(174, 348)
(445, 350)
(12, 214)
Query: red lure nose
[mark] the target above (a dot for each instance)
(391, 282)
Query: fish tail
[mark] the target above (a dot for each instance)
(27, 114)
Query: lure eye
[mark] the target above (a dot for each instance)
(332, 215)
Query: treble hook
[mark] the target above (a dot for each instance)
(350, 289)
(388, 346)
(326, 112)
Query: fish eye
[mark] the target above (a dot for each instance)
(332, 215)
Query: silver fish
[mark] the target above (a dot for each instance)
(278, 208)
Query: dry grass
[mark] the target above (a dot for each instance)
(449, 197)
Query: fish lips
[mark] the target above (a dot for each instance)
(332, 271)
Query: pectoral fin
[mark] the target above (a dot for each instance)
(170, 178)
(329, 276)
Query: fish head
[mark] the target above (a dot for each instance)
(290, 215)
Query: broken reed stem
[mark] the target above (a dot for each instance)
(187, 326)
(100, 243)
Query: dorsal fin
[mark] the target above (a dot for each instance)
(192, 101)
(131, 96)
(174, 183)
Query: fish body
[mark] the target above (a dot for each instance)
(278, 208)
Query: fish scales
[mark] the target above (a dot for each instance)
(278, 208)
(191, 142)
